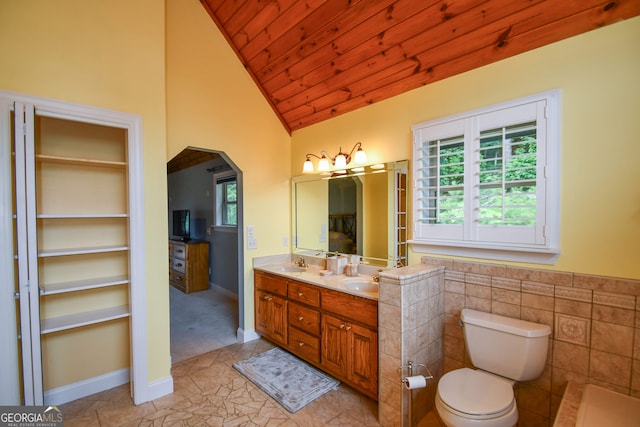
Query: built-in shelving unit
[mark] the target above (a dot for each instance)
(82, 221)
(72, 184)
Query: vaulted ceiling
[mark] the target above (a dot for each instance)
(317, 59)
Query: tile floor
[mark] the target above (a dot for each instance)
(208, 391)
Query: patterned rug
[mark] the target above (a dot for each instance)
(289, 380)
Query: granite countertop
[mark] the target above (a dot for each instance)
(313, 275)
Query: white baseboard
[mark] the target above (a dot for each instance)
(69, 392)
(156, 389)
(246, 336)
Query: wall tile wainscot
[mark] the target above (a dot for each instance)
(595, 322)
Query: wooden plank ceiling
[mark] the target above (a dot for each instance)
(188, 158)
(317, 59)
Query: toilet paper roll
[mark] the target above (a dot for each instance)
(417, 381)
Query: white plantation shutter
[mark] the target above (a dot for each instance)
(488, 178)
(439, 187)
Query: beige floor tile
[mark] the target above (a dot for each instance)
(208, 391)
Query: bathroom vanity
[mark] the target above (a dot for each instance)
(324, 322)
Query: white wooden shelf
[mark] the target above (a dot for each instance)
(71, 321)
(82, 216)
(82, 251)
(82, 285)
(80, 161)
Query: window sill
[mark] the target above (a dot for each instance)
(225, 228)
(497, 253)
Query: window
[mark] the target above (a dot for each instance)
(226, 200)
(486, 182)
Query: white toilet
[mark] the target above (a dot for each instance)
(504, 350)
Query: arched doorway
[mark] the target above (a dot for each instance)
(208, 185)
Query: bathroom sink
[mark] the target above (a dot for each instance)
(292, 269)
(362, 285)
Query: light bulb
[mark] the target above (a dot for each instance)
(341, 161)
(307, 167)
(360, 157)
(323, 164)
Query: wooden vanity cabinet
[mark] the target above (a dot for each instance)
(335, 331)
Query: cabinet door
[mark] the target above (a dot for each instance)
(334, 344)
(279, 319)
(262, 312)
(362, 357)
(271, 316)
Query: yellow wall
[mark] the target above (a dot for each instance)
(107, 55)
(212, 103)
(597, 73)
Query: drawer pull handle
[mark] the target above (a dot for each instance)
(267, 298)
(300, 318)
(348, 328)
(342, 326)
(300, 294)
(178, 265)
(300, 344)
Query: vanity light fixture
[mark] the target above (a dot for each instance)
(340, 161)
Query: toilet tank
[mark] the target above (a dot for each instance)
(511, 348)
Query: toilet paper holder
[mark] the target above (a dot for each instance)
(410, 367)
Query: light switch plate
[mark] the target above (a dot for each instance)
(252, 243)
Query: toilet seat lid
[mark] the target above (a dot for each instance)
(475, 392)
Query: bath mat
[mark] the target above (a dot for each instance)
(289, 380)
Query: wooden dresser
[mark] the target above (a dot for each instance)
(189, 265)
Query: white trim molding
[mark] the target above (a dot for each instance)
(70, 392)
(245, 336)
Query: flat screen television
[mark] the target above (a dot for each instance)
(181, 224)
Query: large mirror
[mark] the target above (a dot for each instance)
(362, 211)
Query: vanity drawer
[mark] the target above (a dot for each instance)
(178, 265)
(304, 293)
(270, 283)
(304, 345)
(351, 307)
(304, 318)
